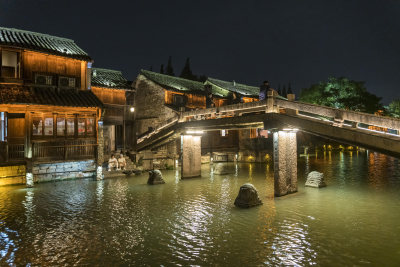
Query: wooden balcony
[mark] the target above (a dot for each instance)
(64, 150)
(11, 152)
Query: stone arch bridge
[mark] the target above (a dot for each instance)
(284, 118)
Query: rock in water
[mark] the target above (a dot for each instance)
(315, 179)
(155, 177)
(224, 168)
(247, 197)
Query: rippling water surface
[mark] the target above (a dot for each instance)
(353, 221)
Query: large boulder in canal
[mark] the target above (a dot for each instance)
(315, 179)
(224, 168)
(155, 177)
(247, 197)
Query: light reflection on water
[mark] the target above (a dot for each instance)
(353, 221)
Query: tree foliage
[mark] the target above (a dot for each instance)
(162, 69)
(202, 78)
(342, 93)
(289, 91)
(169, 70)
(284, 92)
(187, 72)
(394, 108)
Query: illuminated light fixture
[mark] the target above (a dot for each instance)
(132, 109)
(194, 132)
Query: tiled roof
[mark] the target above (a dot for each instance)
(174, 83)
(242, 89)
(42, 42)
(48, 96)
(109, 78)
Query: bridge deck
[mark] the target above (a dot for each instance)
(328, 122)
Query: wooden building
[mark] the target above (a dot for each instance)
(117, 95)
(224, 89)
(49, 118)
(160, 98)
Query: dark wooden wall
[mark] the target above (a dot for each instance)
(41, 63)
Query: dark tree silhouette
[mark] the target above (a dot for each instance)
(289, 91)
(279, 90)
(151, 68)
(187, 72)
(162, 69)
(284, 93)
(202, 78)
(169, 70)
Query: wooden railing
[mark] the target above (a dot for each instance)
(11, 152)
(64, 150)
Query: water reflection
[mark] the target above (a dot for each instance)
(251, 166)
(379, 169)
(292, 245)
(99, 190)
(8, 247)
(353, 221)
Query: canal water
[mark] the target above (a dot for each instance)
(355, 220)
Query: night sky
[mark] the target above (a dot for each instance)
(302, 42)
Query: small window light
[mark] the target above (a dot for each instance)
(132, 109)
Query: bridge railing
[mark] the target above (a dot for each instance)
(200, 114)
(224, 110)
(168, 123)
(341, 115)
(273, 104)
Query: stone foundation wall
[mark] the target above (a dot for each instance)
(56, 171)
(12, 175)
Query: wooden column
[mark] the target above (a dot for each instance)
(124, 128)
(29, 179)
(99, 151)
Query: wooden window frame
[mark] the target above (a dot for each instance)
(66, 117)
(19, 62)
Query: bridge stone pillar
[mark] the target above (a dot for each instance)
(191, 156)
(285, 163)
